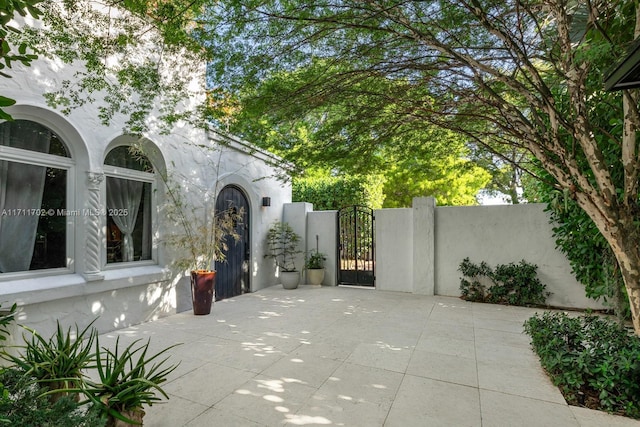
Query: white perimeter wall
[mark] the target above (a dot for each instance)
(418, 250)
(500, 235)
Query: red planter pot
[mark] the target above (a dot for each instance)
(202, 291)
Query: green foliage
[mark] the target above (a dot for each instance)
(594, 362)
(23, 404)
(314, 259)
(138, 61)
(7, 11)
(512, 77)
(332, 193)
(356, 135)
(6, 319)
(204, 234)
(59, 362)
(42, 388)
(282, 245)
(128, 379)
(513, 284)
(449, 178)
(590, 256)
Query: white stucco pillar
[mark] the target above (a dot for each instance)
(423, 245)
(295, 214)
(92, 218)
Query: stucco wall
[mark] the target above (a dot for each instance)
(500, 235)
(323, 225)
(394, 250)
(203, 161)
(418, 250)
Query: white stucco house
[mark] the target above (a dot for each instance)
(82, 228)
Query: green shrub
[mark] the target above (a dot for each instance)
(594, 362)
(24, 404)
(128, 379)
(332, 193)
(514, 284)
(42, 388)
(58, 362)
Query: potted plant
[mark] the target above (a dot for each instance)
(204, 237)
(127, 380)
(314, 265)
(282, 244)
(57, 363)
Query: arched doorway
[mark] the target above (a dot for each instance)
(232, 277)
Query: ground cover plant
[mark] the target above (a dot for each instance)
(513, 284)
(593, 361)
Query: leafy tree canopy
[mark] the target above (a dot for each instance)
(517, 74)
(358, 132)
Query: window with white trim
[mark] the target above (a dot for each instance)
(35, 170)
(129, 181)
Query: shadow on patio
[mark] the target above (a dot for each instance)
(354, 357)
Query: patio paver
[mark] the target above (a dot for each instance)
(354, 357)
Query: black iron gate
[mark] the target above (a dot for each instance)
(232, 275)
(356, 257)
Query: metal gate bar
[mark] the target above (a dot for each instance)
(356, 246)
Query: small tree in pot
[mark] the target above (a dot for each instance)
(204, 238)
(282, 244)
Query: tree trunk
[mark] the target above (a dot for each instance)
(629, 262)
(617, 226)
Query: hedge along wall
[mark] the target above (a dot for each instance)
(332, 193)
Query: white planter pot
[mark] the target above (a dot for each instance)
(289, 279)
(315, 276)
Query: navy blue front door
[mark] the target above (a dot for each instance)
(232, 275)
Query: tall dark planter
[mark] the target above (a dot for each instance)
(202, 290)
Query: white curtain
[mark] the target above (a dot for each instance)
(21, 188)
(124, 195)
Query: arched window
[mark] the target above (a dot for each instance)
(130, 182)
(35, 167)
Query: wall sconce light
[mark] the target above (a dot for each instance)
(266, 201)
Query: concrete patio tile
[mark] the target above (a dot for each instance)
(446, 345)
(518, 380)
(266, 400)
(515, 326)
(592, 418)
(335, 348)
(309, 370)
(392, 335)
(353, 357)
(252, 355)
(443, 367)
(359, 384)
(498, 354)
(381, 355)
(208, 384)
(219, 417)
(457, 315)
(339, 411)
(514, 339)
(180, 412)
(448, 330)
(506, 410)
(427, 402)
(185, 365)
